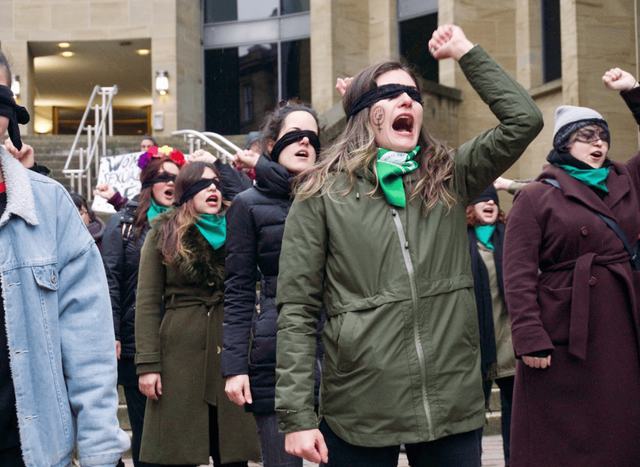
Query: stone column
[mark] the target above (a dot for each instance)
(21, 62)
(190, 72)
(339, 46)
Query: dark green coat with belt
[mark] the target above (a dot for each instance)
(185, 349)
(402, 360)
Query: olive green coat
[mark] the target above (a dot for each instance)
(402, 359)
(185, 349)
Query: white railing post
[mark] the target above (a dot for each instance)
(102, 112)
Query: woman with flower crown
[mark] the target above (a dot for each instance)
(121, 244)
(188, 415)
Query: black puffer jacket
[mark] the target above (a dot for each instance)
(121, 258)
(255, 224)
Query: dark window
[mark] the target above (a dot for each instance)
(414, 36)
(227, 73)
(296, 70)
(241, 83)
(217, 11)
(551, 44)
(288, 7)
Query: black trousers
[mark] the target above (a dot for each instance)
(11, 457)
(460, 450)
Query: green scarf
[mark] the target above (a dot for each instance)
(484, 233)
(155, 210)
(391, 166)
(214, 228)
(592, 177)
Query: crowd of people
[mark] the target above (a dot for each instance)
(335, 303)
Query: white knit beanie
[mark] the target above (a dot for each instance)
(569, 114)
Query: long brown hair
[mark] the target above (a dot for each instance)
(355, 150)
(174, 229)
(146, 194)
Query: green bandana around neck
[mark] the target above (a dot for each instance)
(484, 233)
(155, 210)
(214, 229)
(593, 177)
(391, 166)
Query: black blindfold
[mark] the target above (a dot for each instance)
(387, 91)
(294, 137)
(197, 187)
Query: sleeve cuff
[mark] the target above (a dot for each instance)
(290, 421)
(531, 339)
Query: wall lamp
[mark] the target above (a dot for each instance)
(162, 82)
(15, 85)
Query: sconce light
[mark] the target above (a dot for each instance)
(162, 82)
(15, 85)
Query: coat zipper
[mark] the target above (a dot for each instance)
(416, 335)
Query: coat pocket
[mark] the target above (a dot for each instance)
(555, 312)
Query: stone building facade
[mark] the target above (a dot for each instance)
(347, 35)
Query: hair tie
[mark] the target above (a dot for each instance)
(387, 91)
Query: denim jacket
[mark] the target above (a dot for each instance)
(58, 324)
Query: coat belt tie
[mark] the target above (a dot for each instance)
(580, 296)
(207, 302)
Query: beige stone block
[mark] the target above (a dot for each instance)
(7, 35)
(32, 16)
(163, 50)
(70, 16)
(6, 18)
(48, 35)
(90, 34)
(164, 15)
(131, 32)
(21, 34)
(140, 13)
(114, 13)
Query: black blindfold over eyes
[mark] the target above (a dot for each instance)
(197, 187)
(294, 137)
(164, 177)
(387, 91)
(15, 113)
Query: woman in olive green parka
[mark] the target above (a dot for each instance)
(381, 241)
(178, 357)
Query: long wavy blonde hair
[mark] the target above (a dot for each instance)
(355, 150)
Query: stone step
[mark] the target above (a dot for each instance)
(493, 423)
(494, 399)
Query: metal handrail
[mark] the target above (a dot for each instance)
(196, 138)
(95, 135)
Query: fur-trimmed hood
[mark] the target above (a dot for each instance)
(20, 199)
(205, 267)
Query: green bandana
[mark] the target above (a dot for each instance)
(214, 228)
(155, 210)
(593, 177)
(391, 166)
(484, 233)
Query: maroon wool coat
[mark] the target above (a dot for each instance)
(584, 410)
